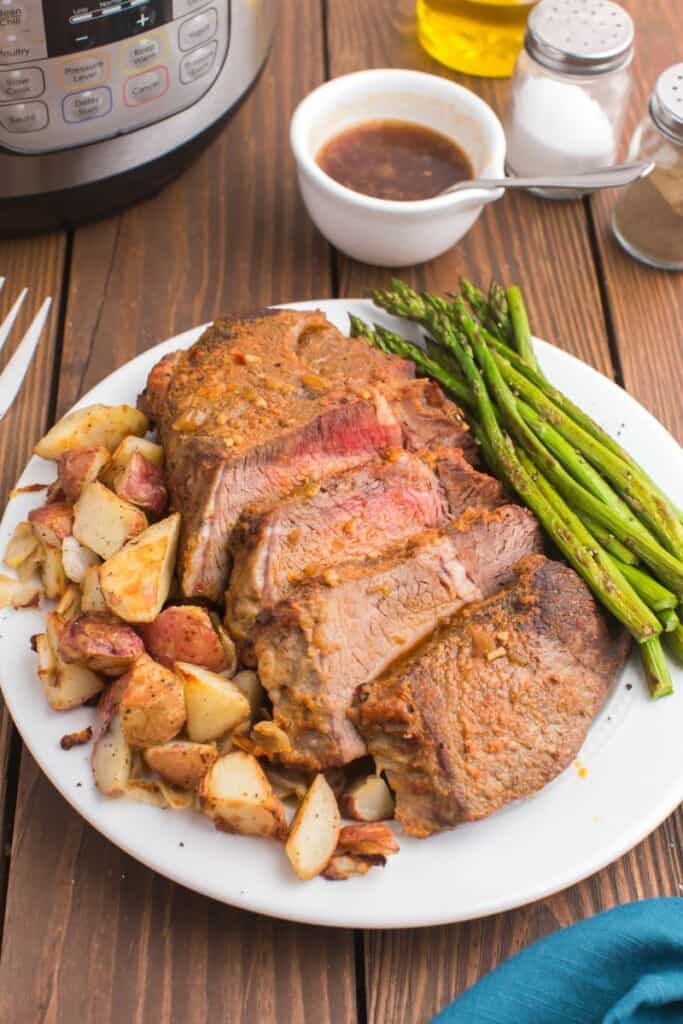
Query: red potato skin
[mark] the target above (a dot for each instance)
(92, 637)
(58, 516)
(75, 469)
(184, 633)
(142, 484)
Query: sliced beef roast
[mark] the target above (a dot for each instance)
(261, 405)
(354, 515)
(330, 635)
(495, 703)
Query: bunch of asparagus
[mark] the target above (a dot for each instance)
(610, 520)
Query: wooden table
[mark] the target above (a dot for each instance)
(90, 936)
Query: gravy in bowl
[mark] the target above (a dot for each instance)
(396, 160)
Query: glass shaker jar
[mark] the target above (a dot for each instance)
(648, 217)
(569, 90)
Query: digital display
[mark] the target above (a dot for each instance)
(71, 27)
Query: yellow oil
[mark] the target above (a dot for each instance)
(479, 37)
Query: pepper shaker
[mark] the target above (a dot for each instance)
(570, 89)
(648, 217)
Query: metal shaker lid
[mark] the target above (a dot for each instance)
(666, 104)
(580, 37)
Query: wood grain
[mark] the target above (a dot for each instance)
(544, 246)
(37, 264)
(646, 305)
(115, 941)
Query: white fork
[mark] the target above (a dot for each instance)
(12, 377)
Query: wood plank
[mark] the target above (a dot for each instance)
(646, 304)
(38, 264)
(116, 942)
(410, 975)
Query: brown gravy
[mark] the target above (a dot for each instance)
(394, 160)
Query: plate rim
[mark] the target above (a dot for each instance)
(560, 879)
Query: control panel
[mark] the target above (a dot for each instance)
(73, 74)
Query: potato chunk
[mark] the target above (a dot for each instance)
(130, 446)
(80, 467)
(53, 522)
(368, 799)
(236, 794)
(103, 522)
(315, 830)
(95, 425)
(112, 759)
(136, 581)
(182, 763)
(66, 686)
(153, 704)
(184, 633)
(214, 704)
(100, 642)
(92, 599)
(142, 483)
(52, 572)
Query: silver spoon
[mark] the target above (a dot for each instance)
(610, 177)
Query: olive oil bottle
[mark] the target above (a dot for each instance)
(478, 37)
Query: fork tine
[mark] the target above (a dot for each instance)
(9, 320)
(13, 375)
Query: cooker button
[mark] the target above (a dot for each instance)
(84, 71)
(13, 14)
(198, 63)
(142, 53)
(87, 105)
(22, 84)
(150, 85)
(24, 117)
(183, 7)
(198, 29)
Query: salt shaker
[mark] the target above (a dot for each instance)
(648, 217)
(569, 90)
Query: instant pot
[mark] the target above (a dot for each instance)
(102, 102)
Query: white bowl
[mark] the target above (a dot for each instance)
(385, 232)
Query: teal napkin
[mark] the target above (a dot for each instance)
(621, 967)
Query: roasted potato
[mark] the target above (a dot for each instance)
(112, 759)
(18, 593)
(142, 483)
(103, 522)
(136, 581)
(315, 830)
(152, 706)
(368, 799)
(79, 467)
(22, 545)
(52, 572)
(92, 598)
(53, 522)
(130, 446)
(65, 686)
(77, 559)
(236, 794)
(181, 762)
(95, 425)
(371, 839)
(100, 642)
(184, 633)
(265, 740)
(214, 704)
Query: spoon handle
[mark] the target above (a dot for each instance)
(610, 177)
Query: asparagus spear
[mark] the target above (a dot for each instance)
(656, 669)
(394, 344)
(520, 327)
(645, 501)
(653, 593)
(669, 620)
(610, 542)
(674, 643)
(630, 533)
(499, 313)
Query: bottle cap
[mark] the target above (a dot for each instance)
(580, 37)
(666, 104)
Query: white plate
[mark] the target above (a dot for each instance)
(631, 773)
